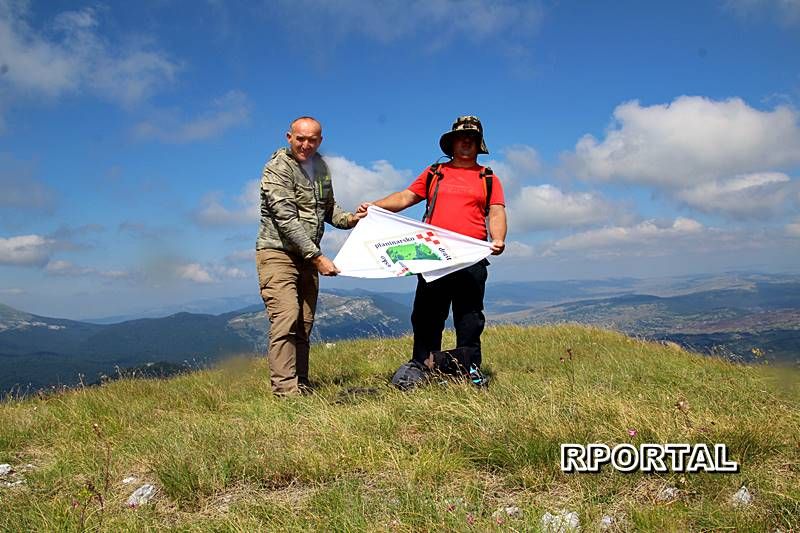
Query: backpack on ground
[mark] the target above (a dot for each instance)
(410, 375)
(455, 362)
(458, 363)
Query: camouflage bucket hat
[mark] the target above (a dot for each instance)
(467, 123)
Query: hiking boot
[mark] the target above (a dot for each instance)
(305, 386)
(477, 378)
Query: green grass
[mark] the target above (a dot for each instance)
(358, 455)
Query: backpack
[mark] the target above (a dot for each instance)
(435, 175)
(460, 363)
(455, 362)
(409, 375)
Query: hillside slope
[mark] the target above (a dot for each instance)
(754, 323)
(39, 352)
(224, 455)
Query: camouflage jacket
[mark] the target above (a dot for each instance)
(294, 208)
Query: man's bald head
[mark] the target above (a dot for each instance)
(304, 136)
(305, 118)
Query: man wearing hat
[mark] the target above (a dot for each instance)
(458, 199)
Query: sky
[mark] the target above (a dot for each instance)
(633, 139)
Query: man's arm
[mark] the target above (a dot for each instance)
(339, 218)
(497, 228)
(397, 201)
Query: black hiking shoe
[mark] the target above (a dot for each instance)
(477, 378)
(305, 386)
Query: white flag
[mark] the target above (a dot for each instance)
(387, 245)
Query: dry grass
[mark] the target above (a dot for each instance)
(359, 455)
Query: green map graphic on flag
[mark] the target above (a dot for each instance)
(407, 252)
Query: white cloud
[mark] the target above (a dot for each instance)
(547, 207)
(223, 272)
(241, 256)
(524, 158)
(25, 250)
(246, 210)
(71, 56)
(538, 207)
(391, 20)
(228, 111)
(194, 272)
(793, 228)
(646, 238)
(13, 291)
(353, 184)
(760, 195)
(692, 140)
(520, 164)
(67, 269)
(786, 11)
(209, 273)
(114, 274)
(64, 268)
(517, 249)
(132, 77)
(332, 241)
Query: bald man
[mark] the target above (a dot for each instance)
(296, 200)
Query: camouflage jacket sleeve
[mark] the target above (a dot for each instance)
(277, 191)
(336, 216)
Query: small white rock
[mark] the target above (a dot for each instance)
(503, 513)
(142, 495)
(561, 522)
(742, 497)
(5, 469)
(607, 522)
(667, 494)
(130, 479)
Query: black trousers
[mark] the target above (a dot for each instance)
(463, 289)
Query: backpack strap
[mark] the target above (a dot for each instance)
(432, 190)
(435, 175)
(487, 177)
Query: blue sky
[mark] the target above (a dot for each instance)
(632, 138)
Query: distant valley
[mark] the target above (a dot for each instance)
(744, 317)
(38, 352)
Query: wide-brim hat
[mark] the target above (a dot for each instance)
(466, 124)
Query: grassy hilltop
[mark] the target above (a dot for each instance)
(359, 455)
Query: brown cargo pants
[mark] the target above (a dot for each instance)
(289, 288)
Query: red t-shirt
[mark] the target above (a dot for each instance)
(461, 200)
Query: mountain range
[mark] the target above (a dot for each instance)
(38, 352)
(745, 316)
